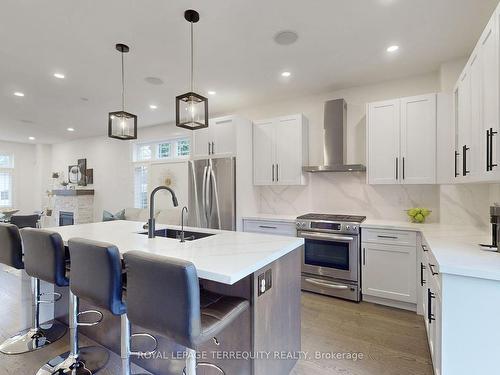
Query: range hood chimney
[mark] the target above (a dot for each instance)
(335, 123)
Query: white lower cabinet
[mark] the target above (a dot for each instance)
(388, 269)
(278, 227)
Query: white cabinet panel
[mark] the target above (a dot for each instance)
(475, 153)
(288, 158)
(270, 227)
(388, 271)
(263, 152)
(201, 143)
(223, 136)
(464, 121)
(418, 139)
(383, 142)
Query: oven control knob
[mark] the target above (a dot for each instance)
(298, 225)
(354, 227)
(347, 227)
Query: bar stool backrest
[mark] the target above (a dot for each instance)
(11, 247)
(96, 274)
(44, 256)
(25, 221)
(163, 296)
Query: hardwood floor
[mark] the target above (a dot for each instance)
(391, 341)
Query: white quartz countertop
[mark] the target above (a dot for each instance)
(226, 257)
(455, 247)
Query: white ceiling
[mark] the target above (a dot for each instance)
(341, 43)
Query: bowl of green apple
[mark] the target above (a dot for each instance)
(418, 215)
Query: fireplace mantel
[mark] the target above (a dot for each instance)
(72, 192)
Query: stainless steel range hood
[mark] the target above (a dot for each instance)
(335, 122)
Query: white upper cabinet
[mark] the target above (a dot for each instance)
(418, 139)
(219, 139)
(383, 142)
(477, 110)
(280, 150)
(402, 141)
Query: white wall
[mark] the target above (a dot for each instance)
(27, 186)
(112, 163)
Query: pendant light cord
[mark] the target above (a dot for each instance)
(123, 85)
(192, 57)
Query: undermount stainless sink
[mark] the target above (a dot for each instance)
(175, 233)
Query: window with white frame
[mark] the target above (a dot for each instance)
(6, 179)
(141, 186)
(146, 153)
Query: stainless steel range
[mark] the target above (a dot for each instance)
(331, 259)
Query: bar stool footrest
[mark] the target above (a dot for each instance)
(206, 364)
(90, 324)
(57, 297)
(149, 352)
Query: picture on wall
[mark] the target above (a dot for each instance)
(90, 176)
(73, 174)
(82, 172)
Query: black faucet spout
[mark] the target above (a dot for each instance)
(151, 221)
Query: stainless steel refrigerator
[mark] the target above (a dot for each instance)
(212, 193)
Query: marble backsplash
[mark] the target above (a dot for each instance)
(345, 193)
(348, 193)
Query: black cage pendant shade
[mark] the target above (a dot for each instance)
(121, 124)
(191, 109)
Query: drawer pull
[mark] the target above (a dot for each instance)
(431, 267)
(422, 268)
(326, 284)
(430, 314)
(424, 248)
(267, 227)
(389, 237)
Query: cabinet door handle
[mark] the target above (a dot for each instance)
(364, 256)
(213, 148)
(488, 168)
(422, 268)
(277, 173)
(397, 168)
(456, 164)
(431, 267)
(273, 172)
(492, 133)
(267, 227)
(403, 168)
(208, 148)
(430, 297)
(424, 248)
(389, 237)
(465, 172)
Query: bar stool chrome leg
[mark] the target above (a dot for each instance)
(192, 365)
(78, 361)
(39, 335)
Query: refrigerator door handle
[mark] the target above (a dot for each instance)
(204, 193)
(195, 195)
(216, 196)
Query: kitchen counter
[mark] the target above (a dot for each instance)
(226, 257)
(272, 217)
(455, 247)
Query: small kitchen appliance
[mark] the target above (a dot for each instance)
(331, 255)
(495, 227)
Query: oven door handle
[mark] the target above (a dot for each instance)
(321, 236)
(326, 284)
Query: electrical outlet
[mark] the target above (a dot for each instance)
(261, 284)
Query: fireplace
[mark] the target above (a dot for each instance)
(66, 218)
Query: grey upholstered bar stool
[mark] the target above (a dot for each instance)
(43, 260)
(163, 295)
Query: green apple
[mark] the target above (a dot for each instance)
(412, 212)
(419, 218)
(426, 212)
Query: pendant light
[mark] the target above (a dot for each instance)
(122, 125)
(191, 109)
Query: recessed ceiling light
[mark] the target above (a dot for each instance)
(392, 48)
(18, 93)
(286, 37)
(59, 75)
(154, 80)
(70, 129)
(31, 138)
(211, 93)
(153, 106)
(286, 74)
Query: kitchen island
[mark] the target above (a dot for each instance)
(230, 263)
